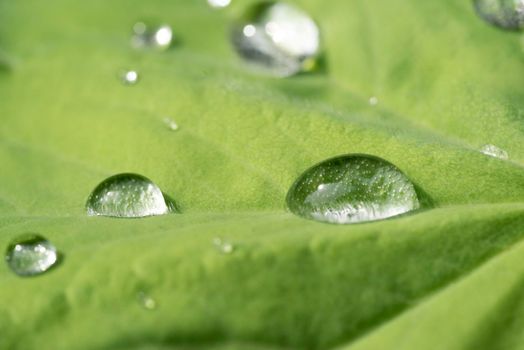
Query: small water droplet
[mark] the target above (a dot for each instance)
(508, 14)
(277, 38)
(152, 37)
(146, 301)
(129, 77)
(31, 255)
(351, 189)
(127, 196)
(219, 3)
(171, 124)
(223, 246)
(373, 101)
(494, 151)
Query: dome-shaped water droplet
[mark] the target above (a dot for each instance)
(129, 77)
(170, 124)
(277, 38)
(151, 37)
(508, 14)
(219, 3)
(146, 301)
(127, 196)
(494, 151)
(350, 189)
(31, 255)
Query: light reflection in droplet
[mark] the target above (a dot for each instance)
(219, 3)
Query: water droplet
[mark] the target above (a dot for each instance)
(373, 101)
(350, 189)
(171, 124)
(219, 3)
(508, 14)
(223, 246)
(277, 38)
(31, 255)
(146, 301)
(494, 151)
(129, 77)
(127, 196)
(152, 37)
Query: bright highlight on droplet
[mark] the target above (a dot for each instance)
(130, 77)
(170, 124)
(31, 255)
(152, 37)
(373, 101)
(146, 301)
(352, 189)
(127, 196)
(219, 3)
(507, 14)
(277, 38)
(494, 151)
(223, 246)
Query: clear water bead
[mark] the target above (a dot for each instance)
(507, 14)
(351, 189)
(277, 38)
(127, 196)
(152, 37)
(494, 151)
(31, 255)
(129, 77)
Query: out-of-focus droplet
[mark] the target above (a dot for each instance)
(146, 301)
(223, 246)
(129, 77)
(127, 196)
(152, 37)
(507, 14)
(352, 189)
(31, 255)
(494, 151)
(373, 101)
(277, 38)
(170, 124)
(219, 3)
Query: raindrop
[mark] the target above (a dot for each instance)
(171, 124)
(127, 196)
(223, 246)
(508, 14)
(219, 3)
(31, 255)
(373, 101)
(351, 189)
(146, 301)
(129, 77)
(494, 151)
(278, 39)
(152, 37)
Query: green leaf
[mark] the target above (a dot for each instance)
(447, 277)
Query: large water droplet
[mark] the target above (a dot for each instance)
(152, 37)
(508, 14)
(350, 189)
(127, 196)
(494, 151)
(219, 3)
(277, 38)
(31, 255)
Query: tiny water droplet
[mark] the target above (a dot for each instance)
(127, 196)
(171, 124)
(494, 151)
(351, 189)
(219, 3)
(146, 301)
(129, 77)
(507, 14)
(223, 246)
(373, 101)
(277, 38)
(31, 255)
(152, 37)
